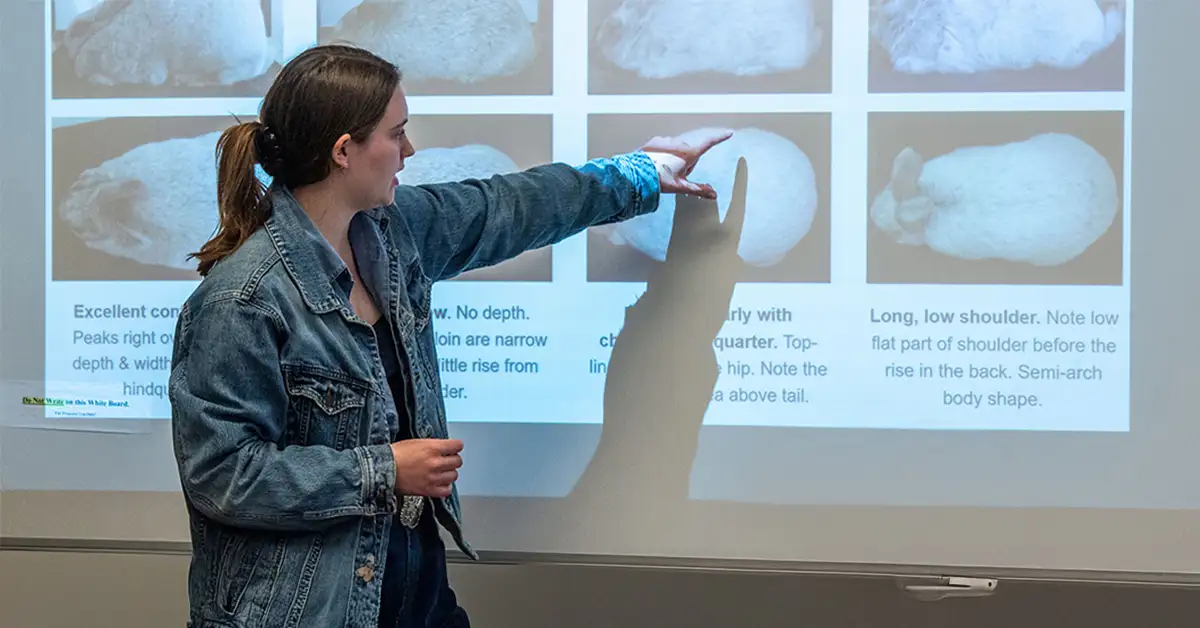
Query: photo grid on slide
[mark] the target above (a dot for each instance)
(937, 210)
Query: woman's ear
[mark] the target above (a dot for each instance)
(341, 152)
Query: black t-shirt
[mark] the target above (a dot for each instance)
(393, 591)
(393, 367)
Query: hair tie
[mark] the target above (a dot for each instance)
(268, 149)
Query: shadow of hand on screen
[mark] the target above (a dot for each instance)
(662, 371)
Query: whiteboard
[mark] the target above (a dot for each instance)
(641, 464)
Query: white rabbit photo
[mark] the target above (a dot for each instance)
(1017, 198)
(997, 45)
(132, 197)
(709, 46)
(451, 47)
(785, 235)
(199, 48)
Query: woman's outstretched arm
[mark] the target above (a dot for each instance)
(472, 224)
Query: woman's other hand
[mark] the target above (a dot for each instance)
(676, 157)
(426, 467)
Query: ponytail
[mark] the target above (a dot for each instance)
(242, 201)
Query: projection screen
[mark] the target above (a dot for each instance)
(948, 334)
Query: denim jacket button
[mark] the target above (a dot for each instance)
(366, 572)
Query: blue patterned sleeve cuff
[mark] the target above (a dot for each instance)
(639, 169)
(378, 478)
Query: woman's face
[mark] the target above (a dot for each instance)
(371, 166)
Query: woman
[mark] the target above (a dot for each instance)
(309, 427)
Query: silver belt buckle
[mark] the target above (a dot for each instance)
(410, 510)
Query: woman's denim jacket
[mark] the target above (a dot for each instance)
(281, 414)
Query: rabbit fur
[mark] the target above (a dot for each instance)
(191, 43)
(781, 197)
(467, 41)
(1041, 201)
(661, 39)
(154, 204)
(972, 36)
(458, 163)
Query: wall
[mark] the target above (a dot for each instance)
(77, 590)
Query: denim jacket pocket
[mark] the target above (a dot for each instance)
(326, 409)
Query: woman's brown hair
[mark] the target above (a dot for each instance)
(321, 94)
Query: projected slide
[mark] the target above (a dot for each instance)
(937, 212)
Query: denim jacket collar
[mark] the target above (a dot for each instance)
(320, 274)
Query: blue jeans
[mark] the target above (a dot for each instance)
(416, 587)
